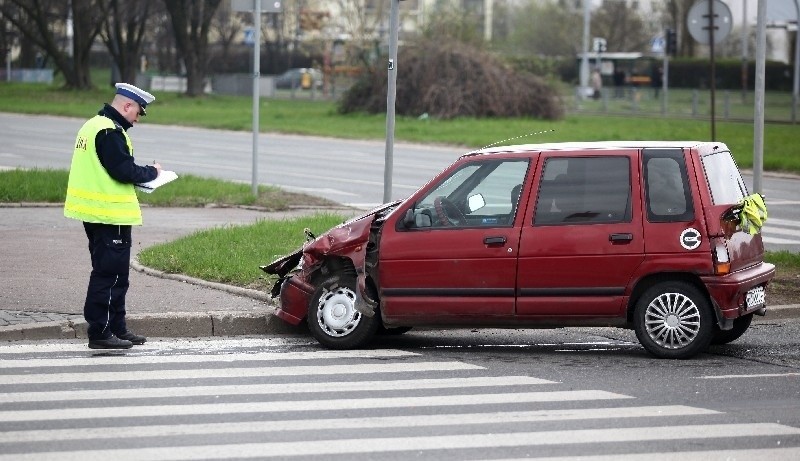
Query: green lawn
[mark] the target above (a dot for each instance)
(319, 117)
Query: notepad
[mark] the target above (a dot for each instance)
(165, 177)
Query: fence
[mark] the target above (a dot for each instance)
(690, 103)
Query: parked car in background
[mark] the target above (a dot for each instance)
(299, 78)
(649, 236)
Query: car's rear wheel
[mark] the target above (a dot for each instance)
(673, 320)
(333, 318)
(740, 325)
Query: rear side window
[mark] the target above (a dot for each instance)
(724, 180)
(668, 195)
(584, 190)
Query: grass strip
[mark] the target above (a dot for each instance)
(232, 254)
(50, 186)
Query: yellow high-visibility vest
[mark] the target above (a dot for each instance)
(93, 195)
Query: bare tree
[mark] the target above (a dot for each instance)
(226, 26)
(543, 28)
(621, 26)
(361, 21)
(123, 35)
(191, 21)
(43, 22)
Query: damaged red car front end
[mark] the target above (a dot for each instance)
(301, 272)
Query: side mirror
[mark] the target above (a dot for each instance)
(476, 202)
(408, 219)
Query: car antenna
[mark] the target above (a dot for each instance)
(511, 139)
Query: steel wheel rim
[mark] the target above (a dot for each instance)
(336, 312)
(672, 320)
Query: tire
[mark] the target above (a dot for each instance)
(673, 320)
(333, 319)
(740, 325)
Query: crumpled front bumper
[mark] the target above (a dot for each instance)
(295, 296)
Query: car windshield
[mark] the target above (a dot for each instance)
(724, 180)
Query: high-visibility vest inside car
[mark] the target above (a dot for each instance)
(93, 195)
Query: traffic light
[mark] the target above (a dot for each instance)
(672, 42)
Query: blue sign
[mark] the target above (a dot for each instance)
(249, 36)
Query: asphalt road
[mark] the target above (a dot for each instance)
(582, 393)
(345, 171)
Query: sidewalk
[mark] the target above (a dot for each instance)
(44, 268)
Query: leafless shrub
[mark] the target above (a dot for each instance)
(452, 79)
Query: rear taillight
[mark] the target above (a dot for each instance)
(722, 260)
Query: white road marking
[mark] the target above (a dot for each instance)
(263, 389)
(762, 375)
(196, 358)
(341, 446)
(229, 373)
(61, 414)
(456, 419)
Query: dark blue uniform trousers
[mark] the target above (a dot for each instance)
(110, 248)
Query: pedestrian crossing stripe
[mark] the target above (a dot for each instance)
(130, 359)
(455, 419)
(265, 389)
(343, 446)
(249, 372)
(134, 411)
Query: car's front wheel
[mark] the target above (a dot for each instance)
(333, 318)
(673, 320)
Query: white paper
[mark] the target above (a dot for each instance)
(163, 178)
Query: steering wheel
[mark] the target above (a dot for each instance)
(447, 212)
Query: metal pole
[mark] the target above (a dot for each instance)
(758, 116)
(711, 28)
(796, 82)
(744, 51)
(391, 93)
(256, 95)
(488, 6)
(665, 84)
(585, 59)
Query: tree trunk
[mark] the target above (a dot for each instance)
(191, 20)
(34, 21)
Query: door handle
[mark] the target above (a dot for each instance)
(494, 240)
(620, 237)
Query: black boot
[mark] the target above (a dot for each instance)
(112, 342)
(133, 338)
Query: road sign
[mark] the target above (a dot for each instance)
(599, 45)
(658, 45)
(698, 21)
(249, 36)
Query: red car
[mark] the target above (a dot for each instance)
(641, 235)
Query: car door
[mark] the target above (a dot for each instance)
(436, 266)
(582, 239)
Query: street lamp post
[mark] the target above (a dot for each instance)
(391, 94)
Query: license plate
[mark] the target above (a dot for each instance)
(756, 297)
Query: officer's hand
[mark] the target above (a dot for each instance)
(157, 166)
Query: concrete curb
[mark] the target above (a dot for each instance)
(255, 294)
(165, 325)
(172, 324)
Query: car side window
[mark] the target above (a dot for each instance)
(584, 190)
(479, 194)
(668, 195)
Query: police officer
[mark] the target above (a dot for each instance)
(101, 193)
